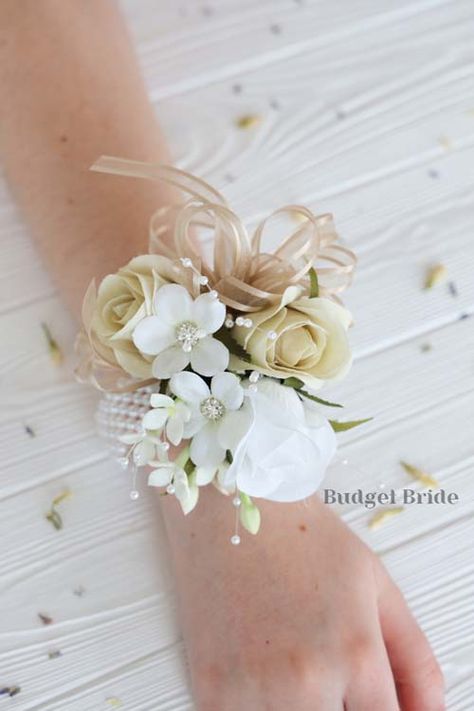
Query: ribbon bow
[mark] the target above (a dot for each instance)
(246, 277)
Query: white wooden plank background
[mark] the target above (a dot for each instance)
(367, 110)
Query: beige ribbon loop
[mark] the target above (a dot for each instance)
(196, 187)
(246, 277)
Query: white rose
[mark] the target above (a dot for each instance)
(301, 337)
(123, 300)
(282, 447)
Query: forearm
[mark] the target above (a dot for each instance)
(70, 90)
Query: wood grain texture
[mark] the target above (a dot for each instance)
(367, 111)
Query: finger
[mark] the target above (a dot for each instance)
(417, 674)
(372, 685)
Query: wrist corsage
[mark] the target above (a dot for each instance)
(210, 370)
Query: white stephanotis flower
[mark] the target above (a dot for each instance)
(169, 414)
(185, 488)
(146, 446)
(213, 412)
(214, 475)
(181, 333)
(282, 448)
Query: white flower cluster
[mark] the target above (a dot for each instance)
(248, 434)
(234, 348)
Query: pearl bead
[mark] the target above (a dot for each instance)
(236, 501)
(170, 489)
(229, 322)
(134, 494)
(186, 262)
(248, 323)
(254, 376)
(203, 280)
(235, 540)
(272, 335)
(213, 294)
(187, 347)
(240, 321)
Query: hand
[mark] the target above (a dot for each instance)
(303, 616)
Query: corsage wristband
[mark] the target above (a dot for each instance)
(221, 360)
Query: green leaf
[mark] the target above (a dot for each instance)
(189, 467)
(249, 514)
(313, 283)
(320, 400)
(225, 337)
(343, 426)
(295, 383)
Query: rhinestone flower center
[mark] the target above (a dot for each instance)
(212, 408)
(187, 334)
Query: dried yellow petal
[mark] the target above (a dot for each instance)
(437, 274)
(114, 701)
(445, 142)
(380, 517)
(420, 475)
(248, 121)
(55, 352)
(66, 494)
(53, 515)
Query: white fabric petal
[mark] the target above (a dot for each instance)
(155, 419)
(205, 450)
(160, 400)
(225, 487)
(161, 476)
(204, 475)
(208, 313)
(174, 430)
(169, 362)
(279, 398)
(186, 490)
(161, 457)
(182, 411)
(226, 387)
(143, 452)
(173, 304)
(283, 456)
(209, 357)
(233, 428)
(152, 335)
(196, 423)
(296, 481)
(190, 388)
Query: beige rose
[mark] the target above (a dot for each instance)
(122, 300)
(309, 340)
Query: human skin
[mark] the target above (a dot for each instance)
(302, 615)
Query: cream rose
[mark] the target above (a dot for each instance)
(301, 337)
(123, 299)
